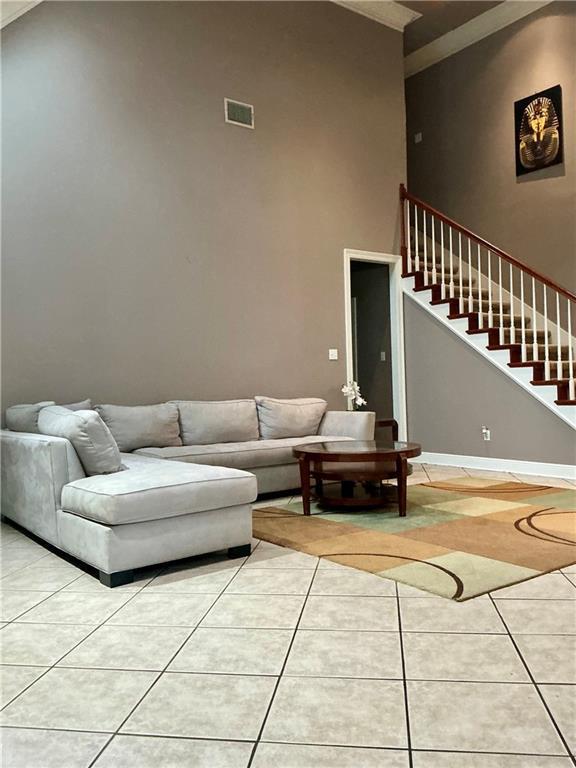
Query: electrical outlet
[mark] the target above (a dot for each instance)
(486, 433)
(417, 138)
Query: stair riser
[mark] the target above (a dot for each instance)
(555, 372)
(528, 337)
(562, 372)
(428, 266)
(477, 306)
(507, 322)
(540, 353)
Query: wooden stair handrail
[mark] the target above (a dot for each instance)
(405, 195)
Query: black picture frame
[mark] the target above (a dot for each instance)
(538, 131)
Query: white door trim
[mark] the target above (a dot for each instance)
(396, 327)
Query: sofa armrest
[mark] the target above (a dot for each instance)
(35, 468)
(358, 425)
(392, 423)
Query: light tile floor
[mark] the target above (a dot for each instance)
(280, 660)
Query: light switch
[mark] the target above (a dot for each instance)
(417, 138)
(332, 354)
(382, 356)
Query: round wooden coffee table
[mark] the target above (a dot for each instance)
(353, 462)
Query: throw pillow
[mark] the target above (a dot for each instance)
(24, 418)
(91, 438)
(142, 426)
(296, 417)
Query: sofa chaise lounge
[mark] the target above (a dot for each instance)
(122, 487)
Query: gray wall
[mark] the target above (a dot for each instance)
(452, 391)
(370, 286)
(149, 250)
(465, 166)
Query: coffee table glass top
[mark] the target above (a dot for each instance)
(358, 447)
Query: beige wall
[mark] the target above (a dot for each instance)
(453, 391)
(465, 166)
(149, 250)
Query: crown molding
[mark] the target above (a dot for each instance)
(469, 33)
(12, 10)
(385, 12)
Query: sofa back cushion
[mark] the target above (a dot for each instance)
(91, 438)
(82, 405)
(142, 426)
(203, 422)
(296, 417)
(24, 418)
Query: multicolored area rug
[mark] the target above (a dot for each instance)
(461, 538)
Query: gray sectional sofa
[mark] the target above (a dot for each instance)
(125, 487)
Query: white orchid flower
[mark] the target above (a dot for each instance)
(351, 390)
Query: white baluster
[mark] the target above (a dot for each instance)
(461, 295)
(546, 344)
(443, 278)
(571, 387)
(433, 251)
(409, 260)
(522, 317)
(470, 297)
(512, 323)
(534, 323)
(451, 263)
(500, 299)
(426, 273)
(490, 316)
(558, 332)
(480, 302)
(416, 237)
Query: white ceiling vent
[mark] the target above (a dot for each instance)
(238, 113)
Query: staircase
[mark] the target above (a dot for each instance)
(518, 318)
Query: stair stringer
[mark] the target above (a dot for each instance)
(499, 358)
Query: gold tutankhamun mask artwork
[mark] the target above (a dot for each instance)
(539, 134)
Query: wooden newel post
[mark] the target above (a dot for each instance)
(403, 244)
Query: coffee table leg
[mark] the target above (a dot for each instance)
(347, 489)
(401, 475)
(304, 463)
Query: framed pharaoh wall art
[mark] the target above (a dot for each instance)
(538, 131)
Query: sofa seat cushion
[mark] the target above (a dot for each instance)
(247, 455)
(154, 490)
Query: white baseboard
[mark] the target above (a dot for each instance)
(566, 471)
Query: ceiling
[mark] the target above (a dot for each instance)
(439, 17)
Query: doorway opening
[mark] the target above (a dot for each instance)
(375, 332)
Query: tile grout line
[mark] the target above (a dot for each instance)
(52, 666)
(280, 676)
(404, 685)
(47, 669)
(159, 675)
(200, 673)
(567, 579)
(170, 660)
(537, 689)
(292, 743)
